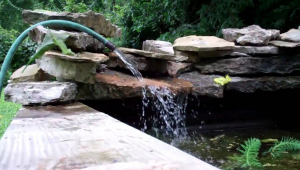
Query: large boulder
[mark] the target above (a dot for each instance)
(251, 35)
(78, 41)
(292, 35)
(95, 21)
(252, 85)
(40, 93)
(31, 74)
(117, 85)
(202, 43)
(140, 63)
(81, 68)
(203, 85)
(156, 46)
(251, 65)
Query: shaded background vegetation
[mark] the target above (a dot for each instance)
(153, 19)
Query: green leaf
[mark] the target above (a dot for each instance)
(286, 144)
(47, 44)
(222, 81)
(61, 44)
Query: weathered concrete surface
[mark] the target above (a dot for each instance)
(140, 63)
(117, 85)
(257, 49)
(252, 85)
(40, 93)
(158, 47)
(78, 41)
(202, 43)
(80, 68)
(285, 44)
(203, 85)
(31, 74)
(251, 65)
(152, 55)
(292, 35)
(95, 21)
(252, 34)
(175, 68)
(77, 137)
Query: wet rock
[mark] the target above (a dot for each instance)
(251, 65)
(203, 85)
(253, 34)
(256, 49)
(202, 43)
(175, 69)
(152, 55)
(81, 68)
(285, 44)
(292, 35)
(117, 85)
(78, 41)
(141, 63)
(251, 85)
(156, 46)
(31, 74)
(40, 93)
(95, 21)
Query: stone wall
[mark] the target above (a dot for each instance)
(257, 60)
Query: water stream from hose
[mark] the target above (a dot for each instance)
(169, 107)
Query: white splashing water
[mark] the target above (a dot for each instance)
(169, 108)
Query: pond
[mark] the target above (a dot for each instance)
(215, 147)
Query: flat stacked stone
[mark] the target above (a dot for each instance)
(95, 21)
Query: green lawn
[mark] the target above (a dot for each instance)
(8, 111)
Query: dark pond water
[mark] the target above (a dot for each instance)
(215, 147)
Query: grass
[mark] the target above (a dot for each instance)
(8, 111)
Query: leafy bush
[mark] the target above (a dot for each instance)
(24, 52)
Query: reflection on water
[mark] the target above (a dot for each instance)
(215, 147)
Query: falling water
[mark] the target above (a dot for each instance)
(170, 108)
(129, 65)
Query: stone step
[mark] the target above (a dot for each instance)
(40, 93)
(117, 85)
(32, 74)
(95, 21)
(78, 41)
(251, 65)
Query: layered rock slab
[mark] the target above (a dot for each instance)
(117, 85)
(251, 35)
(40, 93)
(175, 69)
(156, 46)
(81, 68)
(31, 74)
(251, 65)
(203, 85)
(292, 35)
(95, 21)
(140, 63)
(252, 85)
(78, 41)
(202, 43)
(285, 44)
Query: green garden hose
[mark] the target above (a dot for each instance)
(61, 23)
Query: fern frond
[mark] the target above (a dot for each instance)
(286, 144)
(250, 151)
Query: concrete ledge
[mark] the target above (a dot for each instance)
(76, 137)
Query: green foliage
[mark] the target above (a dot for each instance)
(250, 151)
(286, 144)
(21, 56)
(73, 6)
(50, 41)
(7, 113)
